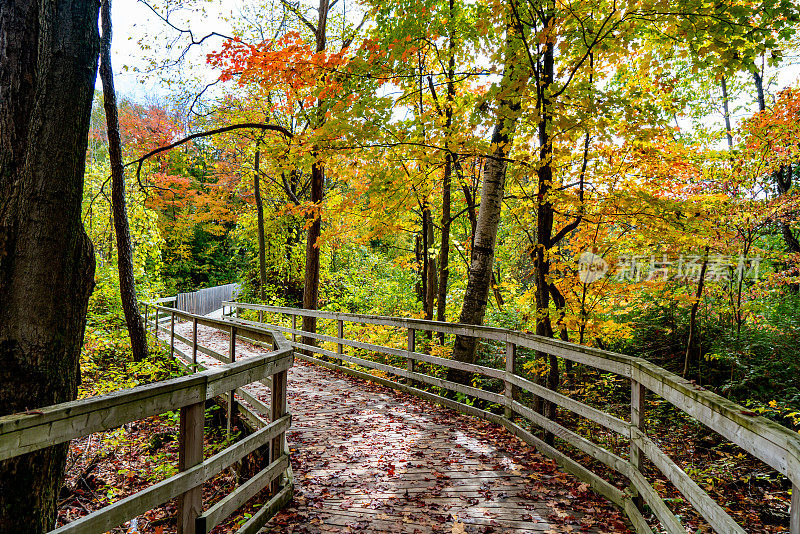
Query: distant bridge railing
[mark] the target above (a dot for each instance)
(207, 300)
(52, 425)
(773, 444)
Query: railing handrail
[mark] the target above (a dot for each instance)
(774, 444)
(29, 431)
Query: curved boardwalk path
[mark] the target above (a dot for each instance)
(369, 459)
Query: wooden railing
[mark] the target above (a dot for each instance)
(768, 441)
(51, 425)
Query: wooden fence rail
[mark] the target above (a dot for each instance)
(51, 425)
(204, 301)
(766, 440)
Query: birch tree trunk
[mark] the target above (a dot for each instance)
(515, 77)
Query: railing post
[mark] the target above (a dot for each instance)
(278, 409)
(190, 453)
(260, 316)
(194, 344)
(172, 335)
(231, 398)
(294, 328)
(637, 421)
(511, 360)
(156, 319)
(412, 342)
(340, 335)
(794, 511)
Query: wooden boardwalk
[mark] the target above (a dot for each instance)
(370, 459)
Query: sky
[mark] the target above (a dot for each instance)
(134, 23)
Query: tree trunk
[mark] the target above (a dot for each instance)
(444, 251)
(726, 112)
(759, 83)
(430, 273)
(544, 217)
(262, 260)
(494, 173)
(127, 282)
(47, 77)
(693, 355)
(311, 286)
(783, 179)
(311, 282)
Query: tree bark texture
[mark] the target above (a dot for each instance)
(311, 281)
(544, 219)
(311, 286)
(48, 67)
(447, 180)
(726, 112)
(127, 283)
(473, 310)
(262, 255)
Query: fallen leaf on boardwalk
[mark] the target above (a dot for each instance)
(458, 527)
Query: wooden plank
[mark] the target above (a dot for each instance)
(235, 499)
(232, 395)
(340, 335)
(432, 397)
(508, 386)
(278, 408)
(483, 332)
(579, 442)
(55, 424)
(194, 344)
(190, 453)
(230, 376)
(260, 518)
(668, 521)
(775, 445)
(597, 483)
(584, 410)
(411, 347)
(635, 516)
(433, 381)
(115, 514)
(22, 433)
(710, 510)
(637, 417)
(435, 360)
(772, 443)
(205, 350)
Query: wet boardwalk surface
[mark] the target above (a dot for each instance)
(369, 459)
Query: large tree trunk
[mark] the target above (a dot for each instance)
(311, 286)
(311, 282)
(444, 250)
(47, 76)
(262, 254)
(127, 283)
(544, 217)
(480, 270)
